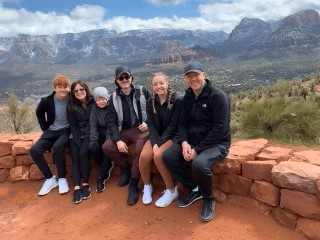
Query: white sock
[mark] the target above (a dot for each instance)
(196, 189)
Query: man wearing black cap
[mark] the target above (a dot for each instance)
(205, 136)
(126, 122)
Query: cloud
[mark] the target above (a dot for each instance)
(222, 15)
(228, 14)
(166, 2)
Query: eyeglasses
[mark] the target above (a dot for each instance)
(125, 77)
(78, 90)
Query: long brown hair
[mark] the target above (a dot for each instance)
(169, 95)
(73, 98)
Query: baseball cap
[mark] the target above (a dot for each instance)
(193, 66)
(121, 70)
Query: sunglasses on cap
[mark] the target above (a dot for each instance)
(127, 77)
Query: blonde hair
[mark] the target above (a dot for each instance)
(169, 95)
(61, 80)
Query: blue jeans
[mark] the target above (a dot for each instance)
(201, 167)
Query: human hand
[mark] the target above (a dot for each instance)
(186, 148)
(93, 146)
(155, 148)
(191, 155)
(143, 127)
(122, 147)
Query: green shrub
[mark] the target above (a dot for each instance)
(21, 116)
(285, 119)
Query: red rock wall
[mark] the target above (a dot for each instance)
(275, 181)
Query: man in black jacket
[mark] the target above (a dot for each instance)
(205, 136)
(52, 117)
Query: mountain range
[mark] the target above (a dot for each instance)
(299, 32)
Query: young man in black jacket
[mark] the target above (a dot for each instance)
(205, 136)
(52, 117)
(127, 125)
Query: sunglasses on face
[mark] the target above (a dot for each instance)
(78, 90)
(124, 77)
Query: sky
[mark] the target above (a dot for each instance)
(49, 17)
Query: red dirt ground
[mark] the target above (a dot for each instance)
(24, 215)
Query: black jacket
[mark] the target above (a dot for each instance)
(163, 124)
(98, 122)
(205, 121)
(46, 112)
(79, 119)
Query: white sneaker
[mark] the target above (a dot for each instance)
(63, 186)
(167, 198)
(147, 194)
(48, 185)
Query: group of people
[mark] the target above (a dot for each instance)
(133, 129)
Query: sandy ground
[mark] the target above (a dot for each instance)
(24, 215)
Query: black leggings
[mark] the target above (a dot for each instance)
(80, 161)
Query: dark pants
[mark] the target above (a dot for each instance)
(80, 161)
(201, 167)
(57, 140)
(132, 137)
(101, 159)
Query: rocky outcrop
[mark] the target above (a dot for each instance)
(274, 181)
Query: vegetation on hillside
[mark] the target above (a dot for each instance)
(288, 111)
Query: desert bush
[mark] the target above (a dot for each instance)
(285, 119)
(20, 116)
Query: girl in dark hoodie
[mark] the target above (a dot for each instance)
(163, 110)
(78, 112)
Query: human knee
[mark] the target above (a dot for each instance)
(198, 165)
(34, 150)
(157, 157)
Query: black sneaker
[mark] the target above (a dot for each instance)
(133, 194)
(109, 171)
(125, 176)
(85, 192)
(189, 199)
(77, 196)
(207, 212)
(100, 184)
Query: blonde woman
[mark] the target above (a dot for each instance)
(163, 110)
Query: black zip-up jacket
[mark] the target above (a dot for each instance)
(79, 119)
(163, 124)
(205, 121)
(98, 122)
(46, 111)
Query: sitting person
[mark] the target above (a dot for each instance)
(52, 118)
(126, 122)
(79, 108)
(205, 136)
(98, 135)
(163, 111)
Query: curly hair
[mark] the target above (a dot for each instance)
(61, 80)
(169, 93)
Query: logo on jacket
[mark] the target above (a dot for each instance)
(204, 105)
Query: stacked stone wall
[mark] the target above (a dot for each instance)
(279, 182)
